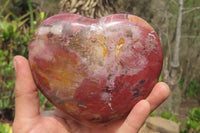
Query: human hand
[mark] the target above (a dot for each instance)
(29, 120)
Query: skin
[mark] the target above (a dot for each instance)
(29, 120)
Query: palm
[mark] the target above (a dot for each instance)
(29, 119)
(74, 127)
(53, 124)
(111, 128)
(46, 125)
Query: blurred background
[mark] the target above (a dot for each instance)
(177, 22)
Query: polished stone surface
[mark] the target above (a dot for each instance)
(95, 70)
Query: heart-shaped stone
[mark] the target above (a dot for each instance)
(95, 70)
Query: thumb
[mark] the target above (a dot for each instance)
(26, 94)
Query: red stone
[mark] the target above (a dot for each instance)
(95, 70)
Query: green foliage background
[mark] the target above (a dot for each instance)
(16, 31)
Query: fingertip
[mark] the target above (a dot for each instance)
(19, 58)
(23, 72)
(163, 88)
(19, 61)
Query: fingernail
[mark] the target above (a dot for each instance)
(15, 64)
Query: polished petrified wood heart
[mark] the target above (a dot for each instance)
(95, 70)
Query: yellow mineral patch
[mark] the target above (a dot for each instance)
(119, 46)
(99, 46)
(111, 117)
(66, 77)
(139, 20)
(70, 108)
(121, 41)
(60, 76)
(95, 116)
(104, 49)
(100, 50)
